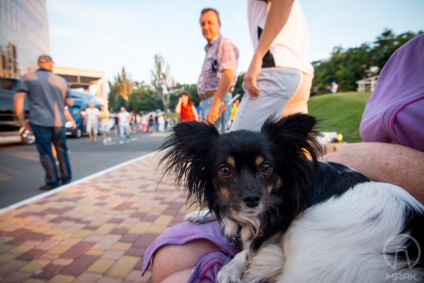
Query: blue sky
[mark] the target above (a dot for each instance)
(108, 34)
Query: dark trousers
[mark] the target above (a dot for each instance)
(44, 138)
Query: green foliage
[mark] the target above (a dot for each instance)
(340, 112)
(348, 66)
(386, 44)
(143, 99)
(238, 88)
(120, 90)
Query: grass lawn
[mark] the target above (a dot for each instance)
(340, 112)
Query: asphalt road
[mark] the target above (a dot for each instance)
(21, 173)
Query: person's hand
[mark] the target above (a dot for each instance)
(74, 125)
(213, 114)
(26, 125)
(251, 77)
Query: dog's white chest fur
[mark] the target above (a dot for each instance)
(345, 239)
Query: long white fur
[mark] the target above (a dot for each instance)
(329, 242)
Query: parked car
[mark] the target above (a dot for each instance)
(81, 102)
(11, 130)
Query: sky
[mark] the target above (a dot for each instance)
(108, 35)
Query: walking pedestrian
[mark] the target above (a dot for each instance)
(47, 95)
(124, 125)
(91, 122)
(104, 116)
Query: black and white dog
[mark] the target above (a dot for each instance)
(299, 219)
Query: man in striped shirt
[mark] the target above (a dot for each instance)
(218, 76)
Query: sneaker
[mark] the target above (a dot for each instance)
(121, 142)
(128, 141)
(109, 139)
(104, 141)
(46, 188)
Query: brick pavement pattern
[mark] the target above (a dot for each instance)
(94, 231)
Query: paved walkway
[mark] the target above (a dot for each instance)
(93, 230)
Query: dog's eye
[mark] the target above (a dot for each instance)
(224, 171)
(266, 168)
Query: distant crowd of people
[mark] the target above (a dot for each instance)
(127, 123)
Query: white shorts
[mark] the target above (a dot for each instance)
(283, 91)
(92, 127)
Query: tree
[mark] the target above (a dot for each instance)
(348, 66)
(162, 82)
(386, 44)
(143, 99)
(120, 89)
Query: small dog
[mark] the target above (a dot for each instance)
(298, 219)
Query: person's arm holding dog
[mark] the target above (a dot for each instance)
(384, 162)
(278, 14)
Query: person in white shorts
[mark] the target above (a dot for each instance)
(279, 78)
(91, 121)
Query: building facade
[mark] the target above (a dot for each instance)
(24, 35)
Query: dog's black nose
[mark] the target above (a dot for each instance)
(252, 200)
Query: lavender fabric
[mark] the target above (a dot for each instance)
(394, 112)
(207, 265)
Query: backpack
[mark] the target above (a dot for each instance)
(395, 111)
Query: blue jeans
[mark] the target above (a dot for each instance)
(44, 138)
(124, 130)
(222, 121)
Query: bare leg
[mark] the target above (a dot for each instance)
(173, 263)
(383, 162)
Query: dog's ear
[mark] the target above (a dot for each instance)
(187, 157)
(294, 144)
(295, 131)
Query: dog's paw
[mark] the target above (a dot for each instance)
(202, 216)
(229, 274)
(232, 272)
